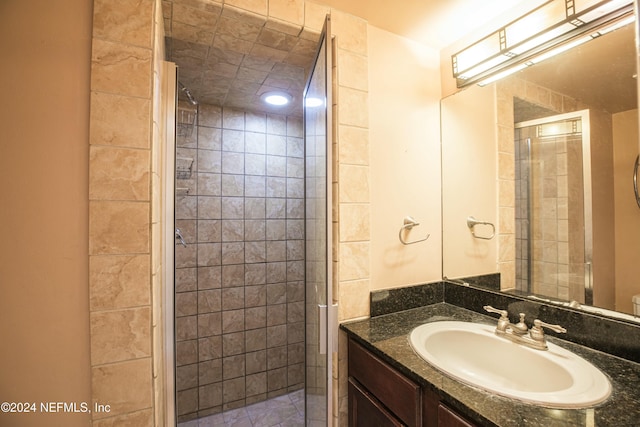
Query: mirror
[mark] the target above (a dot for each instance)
(577, 229)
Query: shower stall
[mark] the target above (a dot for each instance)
(239, 259)
(252, 207)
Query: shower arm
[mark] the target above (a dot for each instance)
(188, 94)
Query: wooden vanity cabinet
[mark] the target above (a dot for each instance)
(381, 396)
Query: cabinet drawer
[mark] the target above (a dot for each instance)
(399, 394)
(448, 418)
(366, 411)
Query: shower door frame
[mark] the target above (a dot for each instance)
(164, 321)
(583, 115)
(326, 314)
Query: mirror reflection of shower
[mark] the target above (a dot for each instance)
(553, 207)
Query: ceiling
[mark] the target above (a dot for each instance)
(231, 59)
(435, 23)
(598, 73)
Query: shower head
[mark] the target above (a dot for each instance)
(187, 93)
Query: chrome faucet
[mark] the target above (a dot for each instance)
(518, 332)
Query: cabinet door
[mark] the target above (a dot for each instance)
(395, 391)
(366, 411)
(448, 418)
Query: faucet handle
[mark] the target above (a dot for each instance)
(503, 321)
(537, 333)
(502, 313)
(539, 324)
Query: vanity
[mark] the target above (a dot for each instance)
(390, 384)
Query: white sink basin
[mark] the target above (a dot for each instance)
(472, 353)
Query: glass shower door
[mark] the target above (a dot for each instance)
(317, 122)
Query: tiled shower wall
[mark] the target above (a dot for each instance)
(239, 280)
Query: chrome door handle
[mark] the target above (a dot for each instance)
(179, 237)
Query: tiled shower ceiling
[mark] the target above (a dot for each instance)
(229, 57)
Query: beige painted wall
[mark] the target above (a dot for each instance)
(44, 308)
(627, 215)
(603, 267)
(404, 94)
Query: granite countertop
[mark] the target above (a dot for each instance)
(388, 337)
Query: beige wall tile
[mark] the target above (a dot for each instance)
(118, 227)
(538, 94)
(507, 247)
(314, 15)
(125, 386)
(505, 139)
(507, 220)
(120, 335)
(119, 120)
(505, 114)
(354, 299)
(287, 10)
(351, 32)
(569, 104)
(120, 69)
(354, 145)
(255, 6)
(351, 109)
(118, 174)
(507, 274)
(354, 262)
(507, 195)
(555, 101)
(135, 419)
(506, 166)
(196, 15)
(123, 21)
(354, 184)
(353, 70)
(354, 222)
(244, 15)
(118, 281)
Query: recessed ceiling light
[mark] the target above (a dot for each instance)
(277, 99)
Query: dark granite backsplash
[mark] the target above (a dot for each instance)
(485, 281)
(400, 299)
(612, 336)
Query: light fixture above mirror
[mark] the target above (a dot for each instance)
(551, 28)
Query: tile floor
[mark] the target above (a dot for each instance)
(281, 411)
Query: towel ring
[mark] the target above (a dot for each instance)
(408, 224)
(472, 222)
